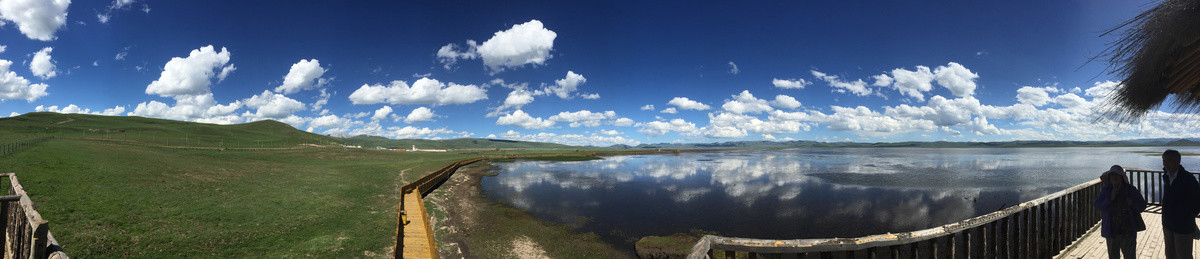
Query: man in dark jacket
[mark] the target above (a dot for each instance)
(1181, 193)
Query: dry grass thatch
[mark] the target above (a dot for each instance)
(1157, 54)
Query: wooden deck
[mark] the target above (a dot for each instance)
(1149, 242)
(418, 241)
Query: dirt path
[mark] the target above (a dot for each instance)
(69, 119)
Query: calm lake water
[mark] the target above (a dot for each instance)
(798, 193)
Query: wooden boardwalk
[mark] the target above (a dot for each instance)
(1149, 242)
(418, 241)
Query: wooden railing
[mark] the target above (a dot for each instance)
(1035, 229)
(430, 182)
(1038, 228)
(26, 234)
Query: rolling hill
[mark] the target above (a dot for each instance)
(267, 133)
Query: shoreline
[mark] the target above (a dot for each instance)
(472, 226)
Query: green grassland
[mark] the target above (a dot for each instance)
(110, 190)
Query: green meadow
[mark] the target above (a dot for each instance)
(128, 194)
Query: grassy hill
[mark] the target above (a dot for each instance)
(111, 188)
(462, 143)
(267, 133)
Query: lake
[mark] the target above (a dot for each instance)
(798, 193)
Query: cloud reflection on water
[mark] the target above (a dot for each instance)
(801, 193)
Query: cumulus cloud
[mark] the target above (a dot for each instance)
(563, 88)
(913, 82)
(37, 19)
(526, 43)
(669, 110)
(304, 75)
(733, 69)
(648, 107)
(382, 113)
(521, 119)
(423, 91)
(857, 87)
(568, 139)
(959, 79)
(745, 102)
(420, 114)
(790, 83)
(14, 87)
(42, 65)
(191, 75)
(622, 122)
(686, 104)
(592, 96)
(273, 106)
(786, 102)
(584, 118)
(659, 128)
(1036, 96)
(883, 80)
(114, 111)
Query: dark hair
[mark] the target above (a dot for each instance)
(1171, 153)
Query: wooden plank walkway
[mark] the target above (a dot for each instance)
(1149, 242)
(418, 241)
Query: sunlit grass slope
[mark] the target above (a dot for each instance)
(266, 133)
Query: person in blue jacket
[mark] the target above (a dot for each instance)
(1181, 194)
(1120, 206)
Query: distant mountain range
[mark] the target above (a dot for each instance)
(368, 141)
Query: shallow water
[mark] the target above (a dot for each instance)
(797, 193)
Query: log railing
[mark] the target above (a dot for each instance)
(1035, 229)
(26, 234)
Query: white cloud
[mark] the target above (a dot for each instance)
(913, 83)
(328, 121)
(592, 96)
(521, 119)
(450, 54)
(622, 122)
(1036, 96)
(790, 83)
(724, 124)
(191, 75)
(423, 91)
(733, 69)
(959, 79)
(785, 102)
(1070, 100)
(304, 75)
(857, 87)
(565, 87)
(15, 87)
(2, 49)
(382, 113)
(648, 107)
(584, 118)
(322, 100)
(669, 110)
(420, 114)
(745, 102)
(659, 128)
(526, 43)
(883, 80)
(273, 106)
(568, 139)
(104, 16)
(42, 65)
(37, 19)
(687, 104)
(114, 111)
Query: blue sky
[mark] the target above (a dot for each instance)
(584, 74)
